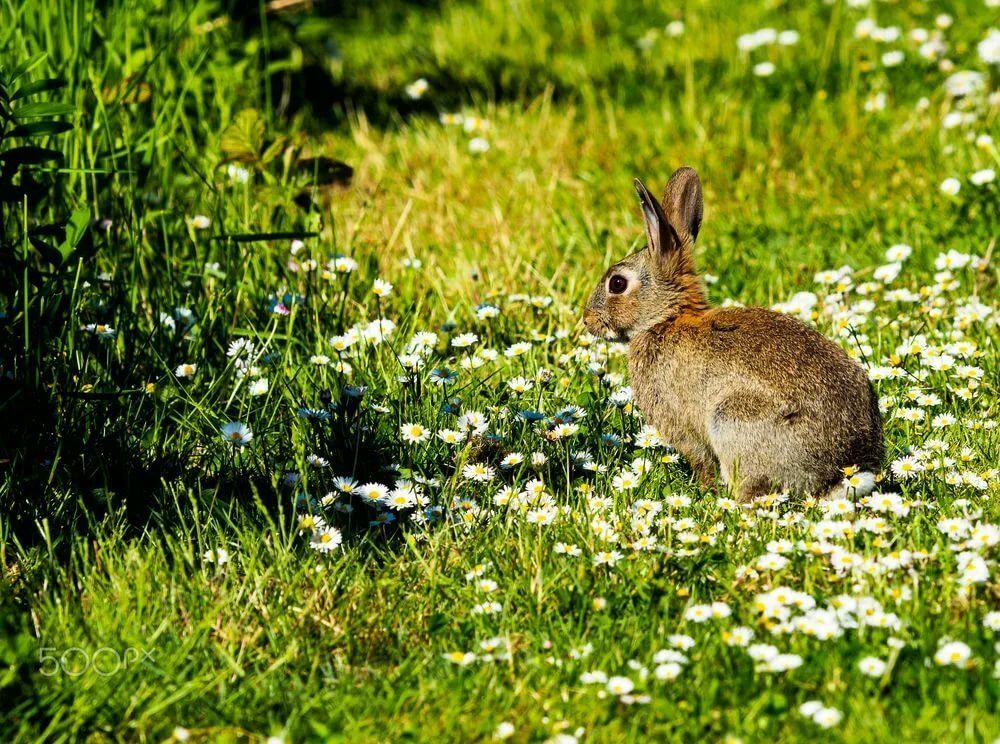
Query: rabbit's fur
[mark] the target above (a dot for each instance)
(758, 395)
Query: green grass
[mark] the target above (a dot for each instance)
(116, 480)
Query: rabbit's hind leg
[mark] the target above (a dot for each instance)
(757, 451)
(745, 487)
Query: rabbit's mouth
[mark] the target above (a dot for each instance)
(598, 326)
(601, 328)
(595, 323)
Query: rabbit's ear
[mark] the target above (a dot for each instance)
(660, 234)
(682, 204)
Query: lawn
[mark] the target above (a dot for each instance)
(306, 440)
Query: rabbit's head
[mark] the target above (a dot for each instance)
(660, 281)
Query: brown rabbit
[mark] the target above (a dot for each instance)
(763, 397)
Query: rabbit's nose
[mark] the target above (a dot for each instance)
(590, 318)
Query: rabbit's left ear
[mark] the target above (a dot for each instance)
(683, 205)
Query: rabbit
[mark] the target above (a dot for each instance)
(759, 396)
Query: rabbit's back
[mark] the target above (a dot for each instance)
(761, 392)
(783, 353)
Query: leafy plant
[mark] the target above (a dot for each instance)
(28, 173)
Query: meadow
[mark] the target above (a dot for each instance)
(304, 438)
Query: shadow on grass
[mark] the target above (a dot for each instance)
(329, 88)
(82, 463)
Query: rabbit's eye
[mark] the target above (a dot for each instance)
(617, 284)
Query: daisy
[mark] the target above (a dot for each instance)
(771, 562)
(342, 343)
(237, 433)
(472, 123)
(827, 717)
(521, 347)
(893, 58)
(451, 436)
(871, 666)
(401, 498)
(476, 571)
(762, 652)
(443, 376)
(343, 265)
(311, 523)
(417, 88)
(566, 549)
(504, 730)
(460, 658)
(647, 542)
(788, 38)
(739, 636)
(783, 663)
(101, 330)
(668, 671)
(478, 472)
(345, 484)
(648, 438)
(185, 370)
(415, 433)
(512, 460)
(607, 558)
(381, 288)
(487, 608)
(464, 340)
(954, 653)
(378, 330)
(561, 431)
(620, 685)
(520, 385)
(373, 493)
(541, 517)
(326, 539)
(943, 421)
(535, 488)
(950, 186)
(478, 145)
(906, 467)
(218, 556)
(625, 481)
(698, 613)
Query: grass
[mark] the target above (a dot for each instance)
(117, 624)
